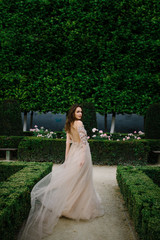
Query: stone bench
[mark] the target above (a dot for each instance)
(8, 152)
(157, 152)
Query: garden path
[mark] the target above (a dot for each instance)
(114, 225)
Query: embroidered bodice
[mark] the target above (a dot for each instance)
(83, 134)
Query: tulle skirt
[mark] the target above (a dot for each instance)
(67, 191)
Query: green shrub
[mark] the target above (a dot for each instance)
(89, 117)
(103, 152)
(153, 173)
(8, 170)
(10, 120)
(15, 195)
(28, 133)
(42, 149)
(121, 152)
(142, 198)
(10, 141)
(152, 122)
(153, 144)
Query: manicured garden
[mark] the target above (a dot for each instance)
(141, 192)
(39, 148)
(17, 180)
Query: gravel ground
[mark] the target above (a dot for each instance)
(114, 225)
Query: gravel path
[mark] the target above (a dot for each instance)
(114, 225)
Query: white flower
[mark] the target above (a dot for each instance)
(94, 136)
(118, 140)
(39, 135)
(100, 131)
(140, 132)
(124, 139)
(138, 138)
(94, 129)
(130, 134)
(35, 126)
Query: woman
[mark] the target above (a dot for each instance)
(68, 190)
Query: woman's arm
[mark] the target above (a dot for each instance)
(68, 141)
(83, 138)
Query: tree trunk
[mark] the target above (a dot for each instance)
(105, 122)
(113, 122)
(25, 122)
(31, 120)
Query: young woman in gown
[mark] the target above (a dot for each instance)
(68, 190)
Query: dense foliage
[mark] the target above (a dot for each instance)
(142, 198)
(10, 118)
(152, 122)
(89, 117)
(57, 52)
(103, 152)
(15, 194)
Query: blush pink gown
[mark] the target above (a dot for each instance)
(67, 191)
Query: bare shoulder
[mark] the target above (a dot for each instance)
(79, 123)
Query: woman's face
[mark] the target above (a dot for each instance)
(78, 113)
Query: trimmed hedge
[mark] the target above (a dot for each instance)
(89, 117)
(154, 145)
(142, 198)
(42, 150)
(152, 121)
(103, 152)
(10, 120)
(119, 152)
(15, 195)
(153, 173)
(10, 141)
(8, 170)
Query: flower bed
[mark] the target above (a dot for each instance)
(142, 197)
(15, 194)
(100, 135)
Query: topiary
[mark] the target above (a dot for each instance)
(152, 122)
(10, 120)
(89, 117)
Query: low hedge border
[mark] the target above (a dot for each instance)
(15, 195)
(142, 197)
(7, 170)
(10, 141)
(103, 152)
(42, 150)
(119, 152)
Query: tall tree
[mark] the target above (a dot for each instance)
(58, 52)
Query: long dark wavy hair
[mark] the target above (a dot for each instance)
(71, 116)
